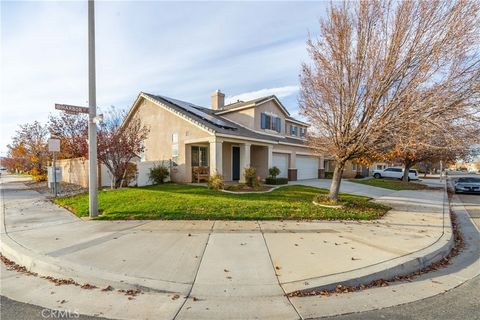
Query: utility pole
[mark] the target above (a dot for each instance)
(92, 105)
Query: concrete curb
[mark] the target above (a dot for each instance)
(403, 265)
(47, 266)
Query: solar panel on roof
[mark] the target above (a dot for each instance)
(194, 110)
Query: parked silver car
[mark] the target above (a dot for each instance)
(467, 185)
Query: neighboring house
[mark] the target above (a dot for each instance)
(225, 139)
(351, 169)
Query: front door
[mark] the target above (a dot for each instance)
(235, 163)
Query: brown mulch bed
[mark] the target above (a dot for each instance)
(244, 188)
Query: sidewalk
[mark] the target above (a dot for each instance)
(234, 269)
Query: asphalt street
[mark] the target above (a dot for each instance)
(472, 204)
(13, 310)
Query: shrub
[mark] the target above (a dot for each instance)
(38, 175)
(250, 174)
(274, 172)
(276, 181)
(328, 175)
(158, 174)
(359, 176)
(215, 182)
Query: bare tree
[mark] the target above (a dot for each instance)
(72, 130)
(369, 61)
(120, 141)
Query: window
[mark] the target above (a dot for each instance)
(271, 122)
(175, 137)
(199, 156)
(293, 130)
(303, 131)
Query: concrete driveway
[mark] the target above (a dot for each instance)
(346, 187)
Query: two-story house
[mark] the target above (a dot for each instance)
(225, 139)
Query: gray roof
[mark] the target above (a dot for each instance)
(245, 103)
(217, 123)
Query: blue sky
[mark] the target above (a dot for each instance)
(184, 50)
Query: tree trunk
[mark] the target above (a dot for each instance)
(336, 180)
(406, 172)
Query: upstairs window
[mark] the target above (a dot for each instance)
(303, 131)
(270, 122)
(293, 130)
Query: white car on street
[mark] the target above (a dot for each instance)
(395, 173)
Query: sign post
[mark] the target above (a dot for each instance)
(54, 147)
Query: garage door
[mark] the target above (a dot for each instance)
(307, 167)
(280, 160)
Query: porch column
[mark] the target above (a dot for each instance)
(292, 167)
(293, 161)
(321, 168)
(244, 159)
(216, 157)
(188, 162)
(269, 157)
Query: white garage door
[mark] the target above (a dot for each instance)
(280, 160)
(307, 167)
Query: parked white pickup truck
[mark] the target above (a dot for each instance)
(395, 173)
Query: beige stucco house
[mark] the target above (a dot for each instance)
(225, 139)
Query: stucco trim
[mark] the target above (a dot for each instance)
(295, 145)
(242, 138)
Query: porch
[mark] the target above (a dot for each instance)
(226, 157)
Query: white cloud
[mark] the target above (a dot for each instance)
(280, 92)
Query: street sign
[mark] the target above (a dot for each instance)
(71, 109)
(53, 145)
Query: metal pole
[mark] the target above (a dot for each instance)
(441, 170)
(54, 176)
(92, 104)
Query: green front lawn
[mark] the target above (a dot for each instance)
(182, 202)
(392, 184)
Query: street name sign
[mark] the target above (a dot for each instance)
(71, 109)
